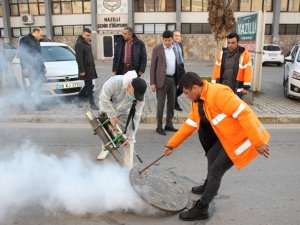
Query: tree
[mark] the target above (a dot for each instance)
(221, 19)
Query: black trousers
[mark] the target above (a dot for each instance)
(87, 89)
(218, 164)
(167, 91)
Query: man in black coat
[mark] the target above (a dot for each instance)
(130, 54)
(86, 66)
(32, 65)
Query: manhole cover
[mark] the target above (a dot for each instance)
(159, 188)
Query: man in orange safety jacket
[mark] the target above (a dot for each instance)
(233, 66)
(229, 132)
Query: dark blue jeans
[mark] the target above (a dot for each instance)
(218, 164)
(87, 89)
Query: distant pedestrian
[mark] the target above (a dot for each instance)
(233, 66)
(130, 54)
(33, 66)
(86, 66)
(163, 81)
(179, 51)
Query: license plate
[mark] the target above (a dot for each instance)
(273, 54)
(67, 85)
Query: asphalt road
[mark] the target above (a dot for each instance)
(49, 175)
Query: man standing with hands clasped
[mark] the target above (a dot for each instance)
(228, 129)
(163, 81)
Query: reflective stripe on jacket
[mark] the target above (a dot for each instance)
(243, 70)
(235, 124)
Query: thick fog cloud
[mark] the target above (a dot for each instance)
(74, 184)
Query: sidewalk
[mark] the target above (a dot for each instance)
(270, 107)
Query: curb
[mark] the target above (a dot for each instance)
(147, 119)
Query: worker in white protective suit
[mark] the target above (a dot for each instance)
(122, 99)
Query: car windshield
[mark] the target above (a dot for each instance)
(57, 53)
(271, 48)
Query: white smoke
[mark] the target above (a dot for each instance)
(72, 183)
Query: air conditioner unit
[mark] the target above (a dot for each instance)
(27, 18)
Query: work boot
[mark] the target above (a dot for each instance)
(197, 212)
(102, 155)
(199, 189)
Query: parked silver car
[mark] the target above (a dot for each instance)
(291, 74)
(62, 70)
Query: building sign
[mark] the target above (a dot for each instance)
(247, 30)
(112, 6)
(112, 16)
(251, 31)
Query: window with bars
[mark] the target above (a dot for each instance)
(289, 29)
(69, 30)
(195, 28)
(154, 5)
(34, 7)
(151, 28)
(22, 31)
(238, 5)
(1, 12)
(290, 5)
(71, 6)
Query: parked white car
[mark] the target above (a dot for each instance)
(62, 70)
(291, 75)
(272, 54)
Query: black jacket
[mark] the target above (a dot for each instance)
(30, 54)
(139, 56)
(85, 59)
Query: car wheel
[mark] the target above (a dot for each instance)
(279, 64)
(286, 88)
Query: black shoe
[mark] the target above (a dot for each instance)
(197, 212)
(178, 108)
(200, 189)
(170, 128)
(94, 107)
(160, 131)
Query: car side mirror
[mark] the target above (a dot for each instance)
(289, 59)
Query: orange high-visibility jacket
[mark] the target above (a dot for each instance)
(233, 121)
(243, 70)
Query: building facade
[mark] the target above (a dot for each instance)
(63, 21)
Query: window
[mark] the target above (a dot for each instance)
(150, 28)
(1, 12)
(22, 31)
(155, 5)
(268, 29)
(194, 5)
(69, 30)
(293, 5)
(71, 6)
(195, 28)
(290, 5)
(34, 7)
(2, 32)
(252, 5)
(289, 29)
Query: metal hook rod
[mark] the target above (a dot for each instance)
(151, 164)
